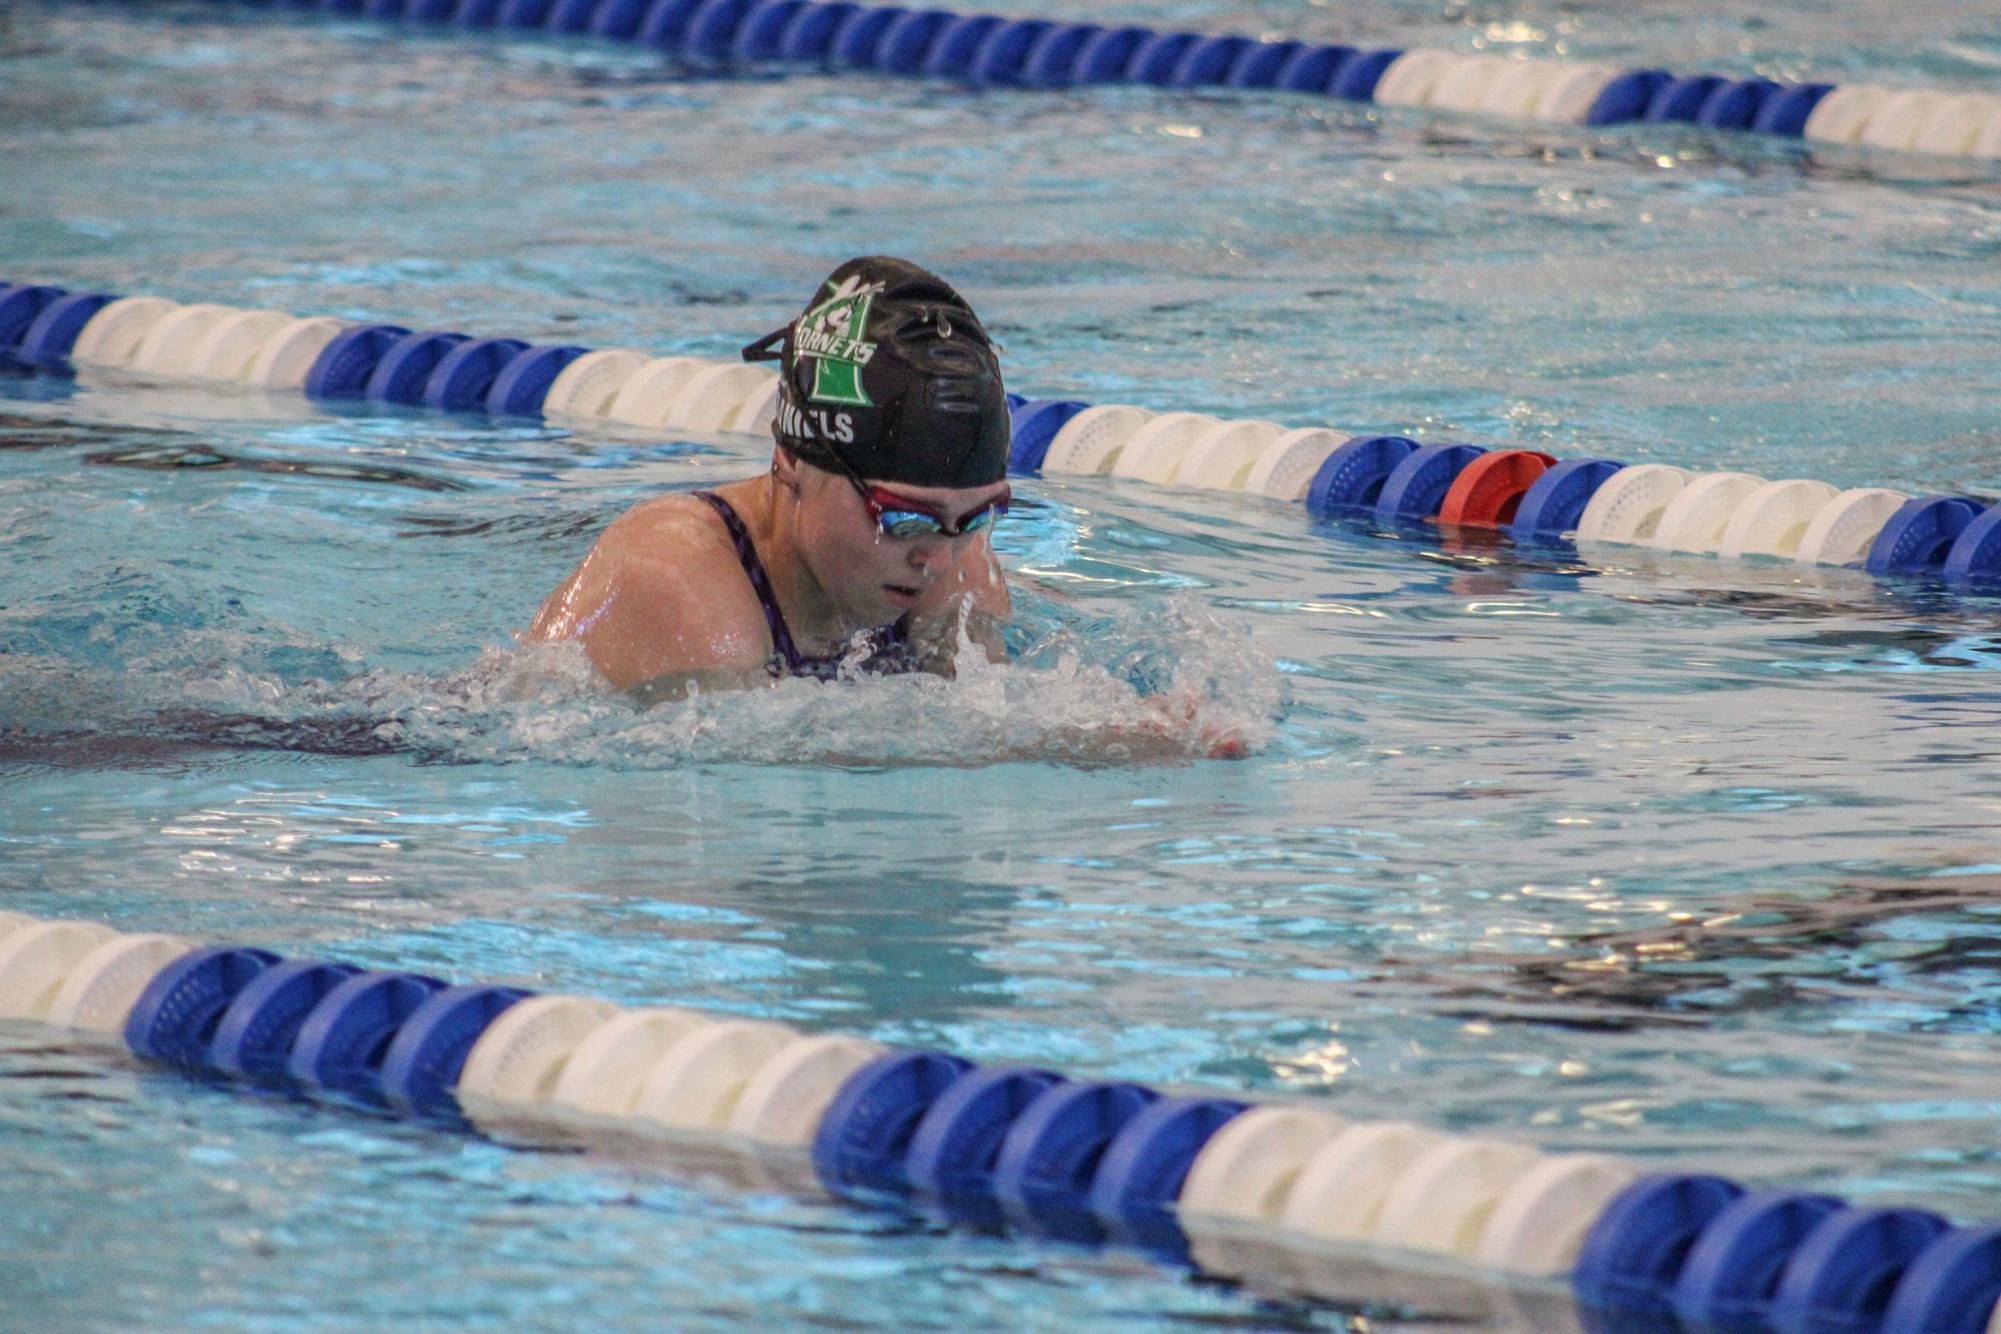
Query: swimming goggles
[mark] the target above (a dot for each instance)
(903, 518)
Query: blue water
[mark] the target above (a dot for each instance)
(1660, 856)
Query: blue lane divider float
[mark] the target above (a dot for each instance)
(255, 1033)
(1394, 480)
(1027, 1148)
(988, 50)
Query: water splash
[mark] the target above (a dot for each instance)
(1160, 683)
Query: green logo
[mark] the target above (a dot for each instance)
(831, 334)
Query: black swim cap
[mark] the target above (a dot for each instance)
(889, 374)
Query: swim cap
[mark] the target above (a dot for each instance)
(889, 375)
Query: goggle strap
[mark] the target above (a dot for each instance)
(771, 347)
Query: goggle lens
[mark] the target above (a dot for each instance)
(908, 523)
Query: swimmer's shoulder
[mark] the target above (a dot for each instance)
(662, 591)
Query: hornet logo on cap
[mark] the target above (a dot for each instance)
(831, 334)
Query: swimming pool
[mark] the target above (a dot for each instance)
(1676, 859)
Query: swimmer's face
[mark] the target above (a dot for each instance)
(871, 576)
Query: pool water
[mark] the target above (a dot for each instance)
(1662, 856)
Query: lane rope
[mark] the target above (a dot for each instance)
(1590, 504)
(1234, 1186)
(986, 50)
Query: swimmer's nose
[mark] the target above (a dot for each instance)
(931, 554)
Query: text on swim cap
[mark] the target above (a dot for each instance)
(831, 334)
(815, 424)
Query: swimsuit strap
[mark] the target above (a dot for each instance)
(760, 582)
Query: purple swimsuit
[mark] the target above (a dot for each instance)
(886, 649)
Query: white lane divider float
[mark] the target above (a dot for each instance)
(1441, 1202)
(171, 346)
(606, 1071)
(1261, 1197)
(115, 334)
(286, 361)
(1469, 82)
(1091, 441)
(1155, 451)
(1772, 519)
(1695, 518)
(1537, 1226)
(99, 991)
(1842, 532)
(520, 1057)
(1285, 469)
(1221, 456)
(1628, 507)
(1412, 77)
(696, 1082)
(588, 386)
(783, 1102)
(648, 394)
(1340, 1192)
(34, 960)
(231, 347)
(713, 398)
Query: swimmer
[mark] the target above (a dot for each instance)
(864, 549)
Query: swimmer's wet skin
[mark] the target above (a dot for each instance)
(864, 546)
(865, 550)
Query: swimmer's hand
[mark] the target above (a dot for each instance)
(1179, 712)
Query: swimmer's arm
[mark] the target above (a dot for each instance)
(657, 627)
